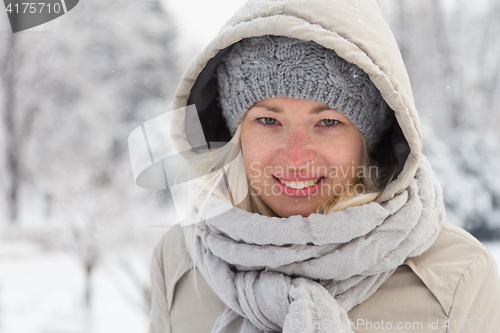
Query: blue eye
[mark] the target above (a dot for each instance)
(330, 122)
(267, 121)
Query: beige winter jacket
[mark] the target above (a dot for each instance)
(453, 287)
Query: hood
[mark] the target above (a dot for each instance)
(354, 29)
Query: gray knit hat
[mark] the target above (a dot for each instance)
(264, 67)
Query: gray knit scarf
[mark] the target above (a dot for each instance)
(303, 274)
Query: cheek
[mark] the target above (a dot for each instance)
(256, 153)
(353, 153)
(353, 157)
(256, 161)
(345, 154)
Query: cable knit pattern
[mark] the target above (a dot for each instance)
(303, 274)
(259, 68)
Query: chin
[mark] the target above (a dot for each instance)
(288, 211)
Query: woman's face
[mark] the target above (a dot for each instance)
(297, 150)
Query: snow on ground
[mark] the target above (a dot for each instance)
(43, 292)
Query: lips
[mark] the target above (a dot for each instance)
(307, 191)
(299, 184)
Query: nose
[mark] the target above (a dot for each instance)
(297, 148)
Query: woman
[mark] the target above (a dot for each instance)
(343, 226)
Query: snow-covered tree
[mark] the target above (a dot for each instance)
(451, 52)
(79, 85)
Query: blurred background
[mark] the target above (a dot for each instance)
(77, 234)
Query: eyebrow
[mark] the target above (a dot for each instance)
(316, 110)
